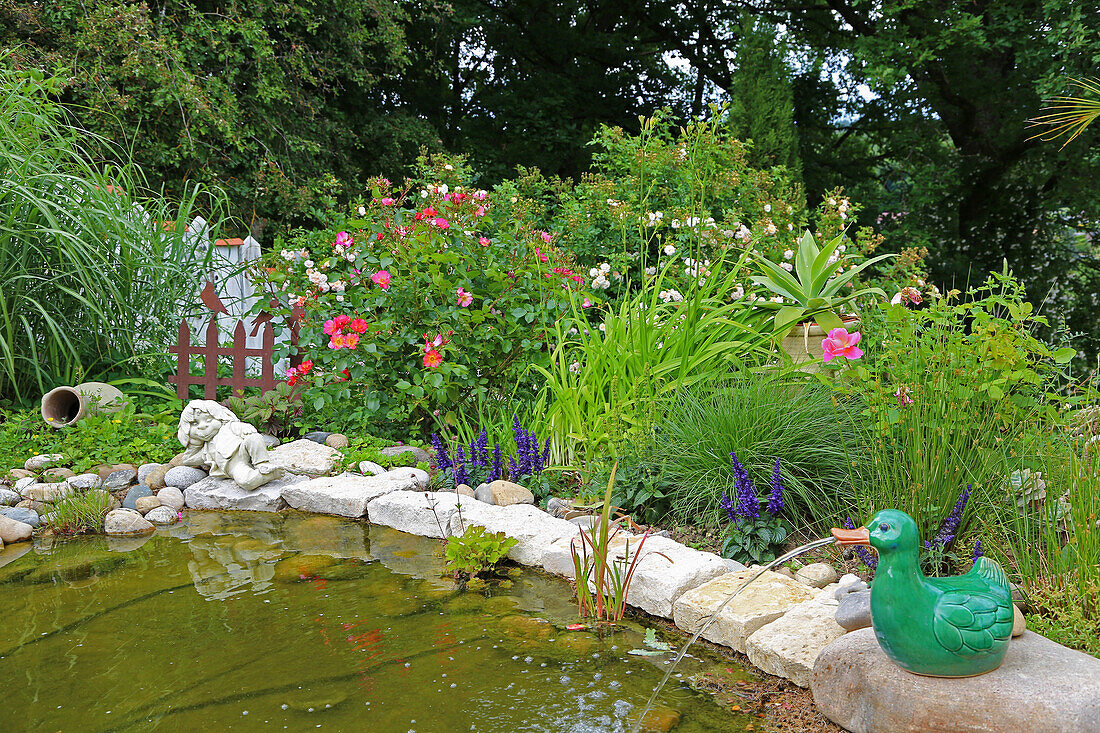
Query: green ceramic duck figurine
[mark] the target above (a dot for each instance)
(957, 626)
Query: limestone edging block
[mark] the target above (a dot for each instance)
(346, 495)
(766, 599)
(426, 514)
(666, 570)
(1041, 687)
(789, 646)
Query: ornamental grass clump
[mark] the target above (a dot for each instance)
(752, 536)
(757, 417)
(95, 269)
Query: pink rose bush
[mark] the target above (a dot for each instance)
(421, 299)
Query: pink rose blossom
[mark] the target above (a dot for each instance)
(441, 223)
(480, 211)
(484, 242)
(381, 279)
(545, 237)
(841, 343)
(464, 298)
(387, 201)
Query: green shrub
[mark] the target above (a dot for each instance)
(760, 417)
(412, 309)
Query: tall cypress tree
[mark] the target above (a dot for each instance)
(763, 101)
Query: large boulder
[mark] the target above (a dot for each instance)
(223, 493)
(533, 529)
(346, 495)
(304, 457)
(1041, 686)
(761, 602)
(426, 514)
(125, 522)
(789, 646)
(12, 530)
(664, 573)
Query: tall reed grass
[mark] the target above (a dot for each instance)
(608, 375)
(94, 272)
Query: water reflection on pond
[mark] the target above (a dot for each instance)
(257, 621)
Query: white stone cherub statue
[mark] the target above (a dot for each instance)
(215, 439)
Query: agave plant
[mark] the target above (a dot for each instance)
(813, 289)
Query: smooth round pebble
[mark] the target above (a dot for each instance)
(183, 476)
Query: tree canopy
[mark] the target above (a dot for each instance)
(919, 108)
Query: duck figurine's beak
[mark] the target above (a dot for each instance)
(857, 536)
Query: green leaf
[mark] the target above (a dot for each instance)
(828, 320)
(1064, 354)
(787, 316)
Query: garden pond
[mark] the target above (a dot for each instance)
(270, 621)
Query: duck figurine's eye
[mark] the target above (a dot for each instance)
(884, 527)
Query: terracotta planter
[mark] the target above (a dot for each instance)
(63, 406)
(803, 343)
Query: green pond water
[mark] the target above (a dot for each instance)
(253, 621)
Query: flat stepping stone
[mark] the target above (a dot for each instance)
(1041, 686)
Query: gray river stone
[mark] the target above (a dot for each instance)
(120, 479)
(9, 497)
(139, 491)
(1041, 686)
(183, 476)
(854, 611)
(85, 481)
(420, 454)
(21, 514)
